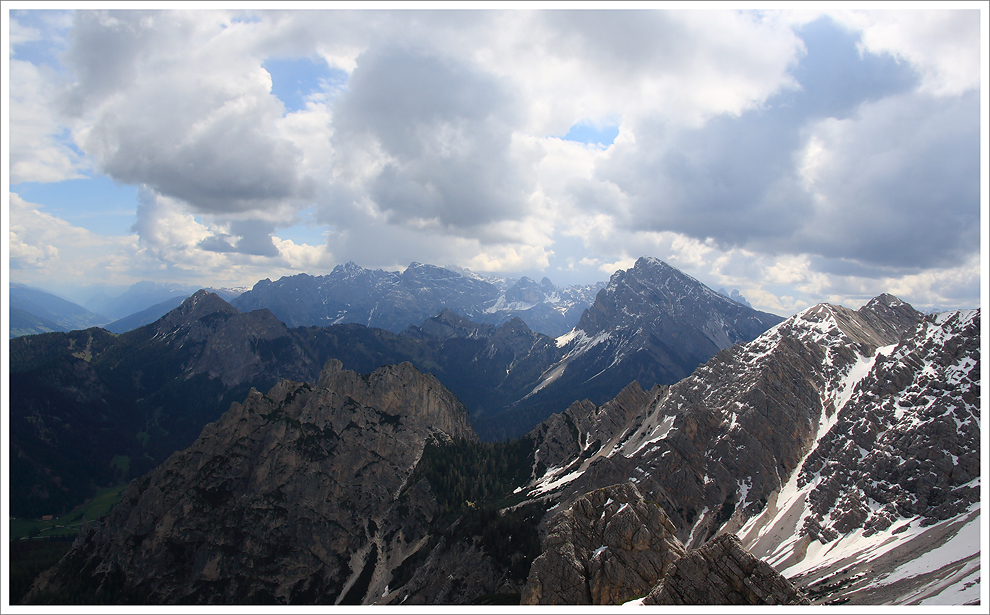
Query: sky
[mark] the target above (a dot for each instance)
(798, 156)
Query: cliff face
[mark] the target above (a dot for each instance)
(611, 547)
(290, 497)
(608, 547)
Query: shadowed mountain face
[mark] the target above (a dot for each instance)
(91, 408)
(290, 497)
(149, 391)
(652, 324)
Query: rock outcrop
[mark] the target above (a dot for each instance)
(611, 546)
(294, 496)
(608, 547)
(722, 572)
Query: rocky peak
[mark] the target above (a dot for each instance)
(653, 324)
(660, 298)
(195, 318)
(608, 547)
(290, 497)
(879, 323)
(890, 317)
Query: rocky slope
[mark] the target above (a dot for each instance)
(886, 506)
(395, 300)
(292, 497)
(836, 438)
(613, 547)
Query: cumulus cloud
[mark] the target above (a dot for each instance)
(163, 102)
(854, 163)
(943, 45)
(434, 140)
(46, 247)
(37, 151)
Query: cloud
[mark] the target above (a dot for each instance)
(855, 163)
(252, 237)
(38, 152)
(781, 153)
(943, 45)
(45, 247)
(429, 141)
(163, 102)
(20, 34)
(897, 185)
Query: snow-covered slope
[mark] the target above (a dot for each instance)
(886, 504)
(842, 446)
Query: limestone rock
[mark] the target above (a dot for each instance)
(294, 496)
(722, 572)
(608, 547)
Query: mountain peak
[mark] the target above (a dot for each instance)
(193, 312)
(202, 303)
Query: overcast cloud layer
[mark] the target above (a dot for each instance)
(799, 157)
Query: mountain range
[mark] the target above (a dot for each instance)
(830, 457)
(395, 300)
(94, 408)
(35, 311)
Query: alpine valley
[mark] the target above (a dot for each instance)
(369, 437)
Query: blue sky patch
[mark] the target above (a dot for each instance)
(97, 204)
(585, 133)
(51, 27)
(296, 78)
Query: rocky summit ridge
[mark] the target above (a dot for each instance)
(838, 437)
(291, 496)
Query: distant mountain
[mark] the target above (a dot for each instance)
(393, 301)
(735, 295)
(653, 324)
(36, 311)
(144, 295)
(146, 316)
(153, 313)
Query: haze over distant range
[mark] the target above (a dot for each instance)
(798, 156)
